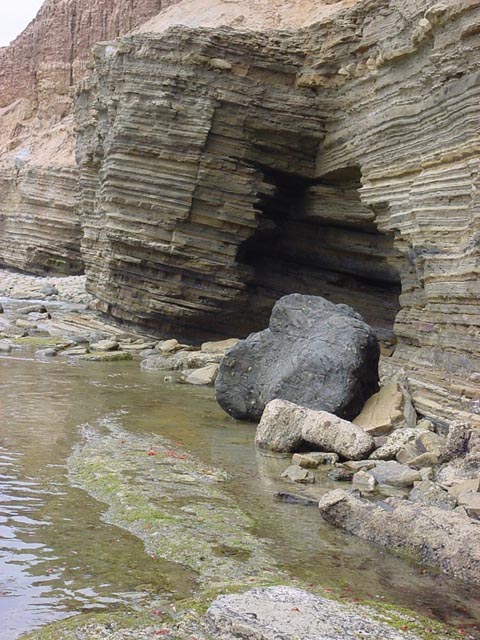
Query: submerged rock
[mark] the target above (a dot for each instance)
(297, 474)
(314, 353)
(444, 539)
(285, 613)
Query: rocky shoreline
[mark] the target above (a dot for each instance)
(439, 472)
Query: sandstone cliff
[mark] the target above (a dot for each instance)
(39, 226)
(220, 169)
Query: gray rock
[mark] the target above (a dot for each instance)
(297, 474)
(285, 613)
(314, 353)
(180, 360)
(395, 474)
(5, 347)
(32, 308)
(280, 428)
(105, 345)
(441, 538)
(292, 498)
(428, 492)
(2, 310)
(396, 441)
(340, 474)
(285, 433)
(49, 290)
(360, 465)
(204, 376)
(46, 353)
(313, 459)
(364, 482)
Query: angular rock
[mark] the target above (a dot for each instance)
(284, 426)
(297, 474)
(360, 465)
(471, 503)
(467, 486)
(424, 459)
(430, 442)
(434, 536)
(386, 410)
(340, 474)
(169, 346)
(105, 345)
(433, 495)
(408, 452)
(394, 474)
(313, 459)
(219, 346)
(285, 613)
(292, 498)
(280, 428)
(314, 353)
(179, 361)
(204, 376)
(395, 442)
(364, 482)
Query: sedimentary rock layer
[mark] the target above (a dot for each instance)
(220, 170)
(39, 226)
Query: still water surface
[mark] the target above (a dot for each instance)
(57, 556)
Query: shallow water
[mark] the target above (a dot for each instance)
(57, 556)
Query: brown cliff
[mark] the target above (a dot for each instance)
(220, 169)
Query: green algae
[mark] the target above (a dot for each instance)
(173, 503)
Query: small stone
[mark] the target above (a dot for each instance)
(49, 290)
(291, 498)
(384, 411)
(471, 503)
(204, 376)
(407, 453)
(105, 345)
(107, 356)
(364, 482)
(297, 474)
(220, 346)
(2, 310)
(396, 441)
(426, 473)
(395, 474)
(430, 442)
(428, 492)
(340, 474)
(25, 324)
(467, 486)
(360, 465)
(314, 459)
(46, 353)
(424, 459)
(392, 492)
(5, 347)
(169, 346)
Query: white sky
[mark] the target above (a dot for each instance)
(14, 17)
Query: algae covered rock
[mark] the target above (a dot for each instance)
(314, 353)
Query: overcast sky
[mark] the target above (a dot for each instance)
(14, 17)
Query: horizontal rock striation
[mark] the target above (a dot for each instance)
(39, 227)
(39, 224)
(221, 170)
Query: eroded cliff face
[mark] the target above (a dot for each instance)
(39, 225)
(221, 169)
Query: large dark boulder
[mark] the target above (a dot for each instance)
(315, 353)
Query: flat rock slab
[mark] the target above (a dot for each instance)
(284, 613)
(440, 538)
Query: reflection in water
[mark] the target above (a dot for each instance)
(58, 557)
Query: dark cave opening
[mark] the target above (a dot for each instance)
(317, 237)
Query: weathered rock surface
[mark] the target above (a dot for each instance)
(291, 614)
(285, 426)
(374, 151)
(394, 474)
(434, 536)
(432, 494)
(386, 410)
(40, 229)
(314, 353)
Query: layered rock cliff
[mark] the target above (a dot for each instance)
(39, 225)
(221, 169)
